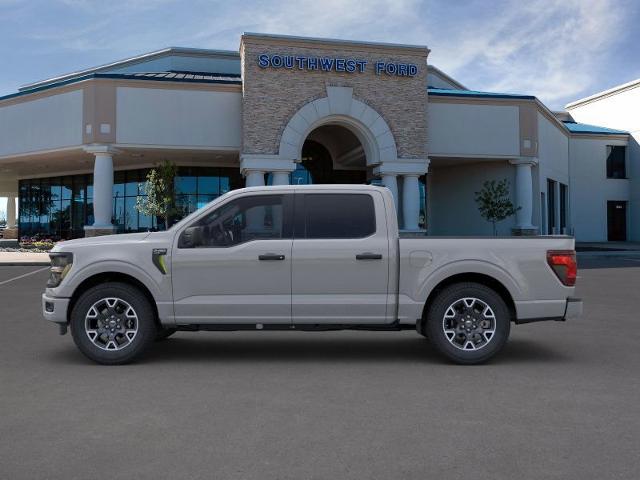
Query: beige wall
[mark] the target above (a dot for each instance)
(179, 117)
(45, 123)
(473, 129)
(272, 96)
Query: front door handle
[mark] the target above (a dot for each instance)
(270, 256)
(369, 256)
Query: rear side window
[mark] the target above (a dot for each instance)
(339, 215)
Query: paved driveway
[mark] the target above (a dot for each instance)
(562, 401)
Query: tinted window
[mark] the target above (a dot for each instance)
(338, 215)
(616, 167)
(260, 217)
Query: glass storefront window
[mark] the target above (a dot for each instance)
(185, 185)
(60, 207)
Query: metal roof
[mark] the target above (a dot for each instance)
(575, 127)
(131, 61)
(445, 92)
(176, 75)
(186, 77)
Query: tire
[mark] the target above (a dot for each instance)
(164, 333)
(113, 323)
(468, 323)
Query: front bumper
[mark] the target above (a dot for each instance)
(54, 309)
(574, 308)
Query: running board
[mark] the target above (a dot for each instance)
(303, 327)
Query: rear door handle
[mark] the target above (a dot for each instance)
(270, 256)
(369, 256)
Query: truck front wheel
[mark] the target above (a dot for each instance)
(112, 323)
(468, 323)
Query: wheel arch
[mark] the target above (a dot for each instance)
(105, 277)
(480, 278)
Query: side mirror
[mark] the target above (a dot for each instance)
(190, 238)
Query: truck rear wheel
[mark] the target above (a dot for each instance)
(112, 323)
(468, 323)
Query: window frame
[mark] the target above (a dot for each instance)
(609, 150)
(287, 224)
(300, 217)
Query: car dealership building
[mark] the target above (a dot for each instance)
(75, 149)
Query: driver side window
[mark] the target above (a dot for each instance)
(259, 217)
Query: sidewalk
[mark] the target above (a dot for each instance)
(23, 258)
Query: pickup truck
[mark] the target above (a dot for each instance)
(310, 258)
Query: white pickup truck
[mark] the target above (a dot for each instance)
(309, 258)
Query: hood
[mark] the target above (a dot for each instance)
(101, 240)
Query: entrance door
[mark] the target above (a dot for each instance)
(617, 221)
(233, 265)
(340, 271)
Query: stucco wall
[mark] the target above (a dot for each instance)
(465, 129)
(271, 96)
(453, 210)
(42, 124)
(590, 189)
(196, 118)
(553, 158)
(620, 111)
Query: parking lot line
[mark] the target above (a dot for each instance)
(23, 275)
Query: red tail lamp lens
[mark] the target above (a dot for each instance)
(564, 265)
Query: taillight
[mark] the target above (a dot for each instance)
(563, 263)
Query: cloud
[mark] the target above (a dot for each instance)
(553, 49)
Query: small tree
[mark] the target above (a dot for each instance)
(494, 203)
(160, 199)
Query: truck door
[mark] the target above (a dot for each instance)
(340, 270)
(233, 265)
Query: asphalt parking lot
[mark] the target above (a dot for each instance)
(562, 400)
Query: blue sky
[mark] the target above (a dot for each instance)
(557, 50)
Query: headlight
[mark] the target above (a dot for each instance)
(60, 265)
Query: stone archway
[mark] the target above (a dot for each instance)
(340, 108)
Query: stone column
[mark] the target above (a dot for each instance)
(390, 181)
(11, 232)
(410, 201)
(102, 191)
(280, 178)
(254, 178)
(524, 195)
(410, 170)
(11, 212)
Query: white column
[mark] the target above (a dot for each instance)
(524, 192)
(410, 201)
(390, 181)
(102, 189)
(254, 178)
(11, 212)
(280, 178)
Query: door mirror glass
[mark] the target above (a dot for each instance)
(190, 238)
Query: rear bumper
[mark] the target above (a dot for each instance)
(541, 311)
(54, 309)
(574, 308)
